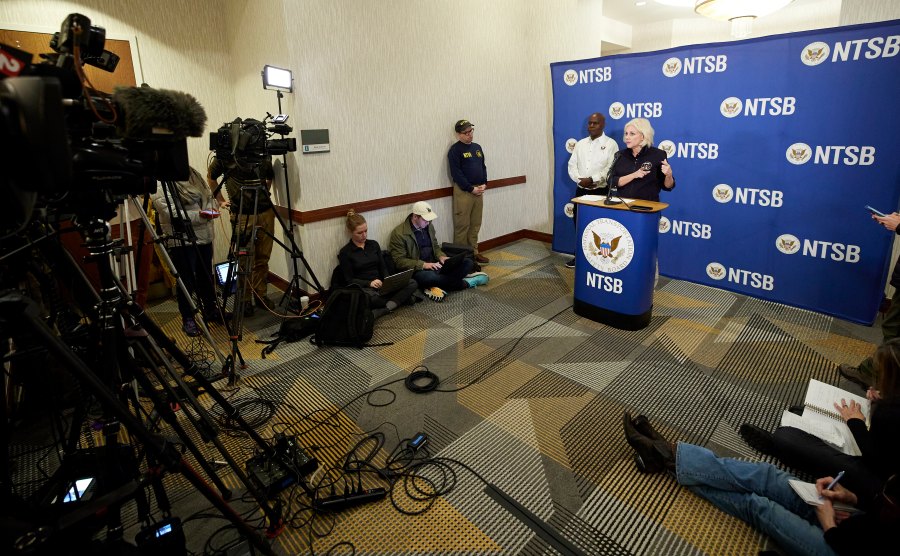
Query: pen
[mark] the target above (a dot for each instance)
(833, 482)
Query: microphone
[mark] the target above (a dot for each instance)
(158, 113)
(611, 190)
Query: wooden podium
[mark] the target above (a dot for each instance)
(615, 260)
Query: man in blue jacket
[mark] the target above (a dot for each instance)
(470, 176)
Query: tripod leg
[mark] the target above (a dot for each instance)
(22, 312)
(164, 410)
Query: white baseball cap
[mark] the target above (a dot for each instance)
(423, 209)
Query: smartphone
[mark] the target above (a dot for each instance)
(874, 211)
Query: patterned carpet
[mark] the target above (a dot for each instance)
(539, 416)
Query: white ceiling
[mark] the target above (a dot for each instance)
(627, 12)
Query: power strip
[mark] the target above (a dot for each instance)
(342, 502)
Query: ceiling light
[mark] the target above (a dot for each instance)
(677, 3)
(740, 13)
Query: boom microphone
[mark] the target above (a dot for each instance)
(158, 113)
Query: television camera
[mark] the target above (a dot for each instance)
(69, 145)
(249, 141)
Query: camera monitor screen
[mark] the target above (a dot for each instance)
(222, 274)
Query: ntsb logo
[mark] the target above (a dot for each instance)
(570, 144)
(724, 193)
(850, 51)
(815, 53)
(798, 153)
(787, 244)
(607, 245)
(839, 252)
(695, 64)
(616, 110)
(756, 280)
(731, 107)
(760, 106)
(685, 228)
(635, 110)
(690, 150)
(590, 75)
(836, 155)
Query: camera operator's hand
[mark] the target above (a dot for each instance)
(225, 204)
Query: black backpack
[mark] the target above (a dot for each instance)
(292, 329)
(346, 320)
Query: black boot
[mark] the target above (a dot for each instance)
(760, 440)
(646, 457)
(662, 446)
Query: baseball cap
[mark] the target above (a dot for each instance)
(423, 209)
(463, 125)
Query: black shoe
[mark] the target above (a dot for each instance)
(662, 446)
(760, 440)
(571, 264)
(646, 457)
(797, 409)
(854, 375)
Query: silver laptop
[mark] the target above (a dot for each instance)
(395, 282)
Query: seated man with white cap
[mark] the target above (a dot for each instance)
(413, 245)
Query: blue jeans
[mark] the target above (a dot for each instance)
(757, 493)
(451, 281)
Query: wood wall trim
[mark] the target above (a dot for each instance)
(340, 211)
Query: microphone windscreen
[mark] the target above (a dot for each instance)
(148, 113)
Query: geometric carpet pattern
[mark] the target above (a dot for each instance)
(530, 400)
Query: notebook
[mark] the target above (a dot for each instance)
(822, 420)
(395, 281)
(453, 262)
(808, 493)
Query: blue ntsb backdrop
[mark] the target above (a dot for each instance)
(776, 145)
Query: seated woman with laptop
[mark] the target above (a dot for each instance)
(361, 263)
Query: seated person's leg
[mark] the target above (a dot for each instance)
(807, 453)
(453, 281)
(402, 295)
(757, 493)
(426, 278)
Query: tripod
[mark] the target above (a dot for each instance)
(110, 308)
(293, 290)
(192, 239)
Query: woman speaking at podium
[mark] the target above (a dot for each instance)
(641, 170)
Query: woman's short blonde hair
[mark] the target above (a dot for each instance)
(644, 127)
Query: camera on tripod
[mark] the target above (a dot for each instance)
(65, 137)
(248, 141)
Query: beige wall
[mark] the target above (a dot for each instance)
(388, 79)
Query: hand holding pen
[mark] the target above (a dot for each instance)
(829, 487)
(833, 483)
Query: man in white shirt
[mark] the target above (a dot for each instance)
(590, 162)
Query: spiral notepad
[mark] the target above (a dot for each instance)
(821, 397)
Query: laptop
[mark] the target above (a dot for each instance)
(222, 274)
(453, 262)
(395, 282)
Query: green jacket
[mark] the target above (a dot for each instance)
(404, 248)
